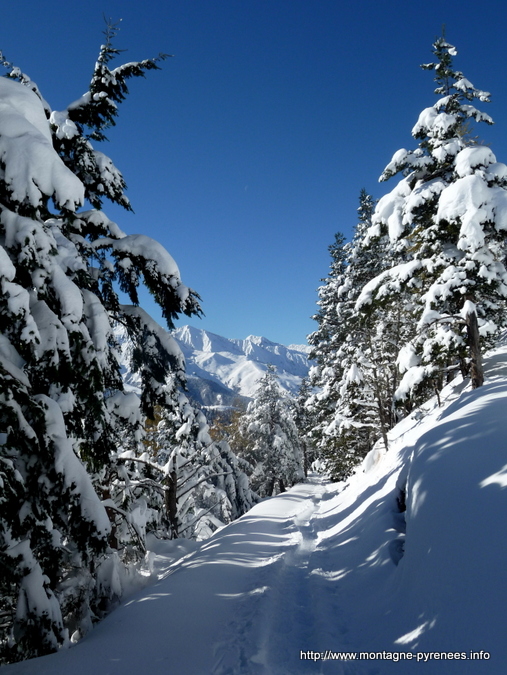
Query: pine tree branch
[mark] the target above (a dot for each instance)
(196, 520)
(212, 475)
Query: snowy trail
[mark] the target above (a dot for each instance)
(287, 603)
(245, 603)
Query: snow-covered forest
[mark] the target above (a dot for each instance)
(419, 293)
(100, 485)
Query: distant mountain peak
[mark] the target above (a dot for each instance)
(220, 369)
(240, 364)
(304, 349)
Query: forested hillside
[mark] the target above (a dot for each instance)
(398, 570)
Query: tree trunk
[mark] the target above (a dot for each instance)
(476, 369)
(271, 487)
(111, 514)
(305, 458)
(171, 503)
(384, 427)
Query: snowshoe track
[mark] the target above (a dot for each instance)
(291, 603)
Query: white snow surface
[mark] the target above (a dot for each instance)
(339, 567)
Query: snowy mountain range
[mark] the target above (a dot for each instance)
(220, 369)
(236, 366)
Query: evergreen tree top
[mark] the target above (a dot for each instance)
(445, 75)
(87, 118)
(455, 90)
(443, 129)
(97, 109)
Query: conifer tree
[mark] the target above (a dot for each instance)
(337, 372)
(63, 408)
(448, 216)
(168, 489)
(356, 379)
(375, 334)
(274, 447)
(176, 483)
(325, 342)
(305, 420)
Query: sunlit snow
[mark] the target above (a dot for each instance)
(32, 167)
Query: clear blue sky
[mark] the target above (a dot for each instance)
(248, 151)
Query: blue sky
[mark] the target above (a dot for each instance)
(248, 151)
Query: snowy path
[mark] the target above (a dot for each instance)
(289, 606)
(246, 602)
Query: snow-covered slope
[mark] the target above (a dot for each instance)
(239, 364)
(341, 568)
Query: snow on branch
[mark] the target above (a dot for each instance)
(31, 169)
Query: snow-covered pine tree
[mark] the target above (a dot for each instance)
(375, 334)
(182, 485)
(231, 477)
(354, 380)
(161, 482)
(448, 214)
(362, 412)
(305, 423)
(329, 325)
(274, 447)
(325, 342)
(62, 404)
(176, 483)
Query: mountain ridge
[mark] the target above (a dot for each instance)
(239, 364)
(220, 370)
